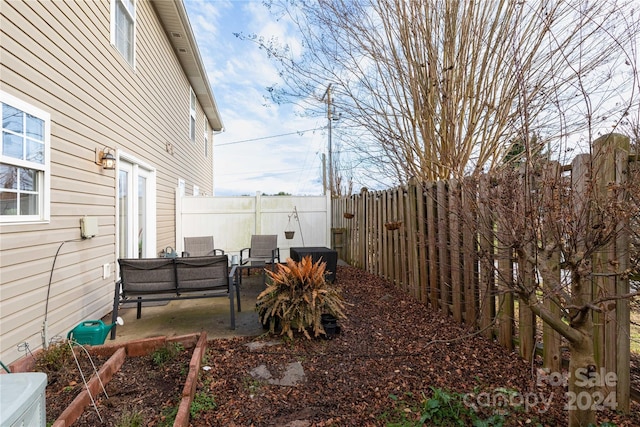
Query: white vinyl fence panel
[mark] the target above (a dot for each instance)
(233, 220)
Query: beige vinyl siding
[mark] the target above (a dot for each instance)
(57, 57)
(174, 130)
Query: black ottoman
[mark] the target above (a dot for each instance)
(327, 255)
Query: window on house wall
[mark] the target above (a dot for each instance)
(24, 161)
(206, 138)
(192, 116)
(196, 190)
(123, 19)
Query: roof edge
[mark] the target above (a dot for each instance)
(206, 98)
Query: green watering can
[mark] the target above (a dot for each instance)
(91, 332)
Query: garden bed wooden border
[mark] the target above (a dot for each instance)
(118, 354)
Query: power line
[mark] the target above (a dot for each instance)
(300, 132)
(265, 172)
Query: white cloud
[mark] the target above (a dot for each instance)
(239, 74)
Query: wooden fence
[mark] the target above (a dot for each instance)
(434, 241)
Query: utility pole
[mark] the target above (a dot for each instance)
(324, 174)
(327, 94)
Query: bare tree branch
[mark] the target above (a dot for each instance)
(436, 89)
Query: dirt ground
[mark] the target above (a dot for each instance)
(392, 359)
(145, 388)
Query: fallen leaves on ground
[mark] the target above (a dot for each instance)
(392, 356)
(143, 389)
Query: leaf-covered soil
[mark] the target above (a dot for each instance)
(393, 354)
(144, 392)
(64, 378)
(393, 362)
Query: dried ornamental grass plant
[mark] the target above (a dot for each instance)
(297, 295)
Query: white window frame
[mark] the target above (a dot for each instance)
(44, 168)
(192, 115)
(117, 6)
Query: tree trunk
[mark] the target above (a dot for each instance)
(582, 373)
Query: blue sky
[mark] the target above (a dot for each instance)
(265, 147)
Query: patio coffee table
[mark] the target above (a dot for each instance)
(255, 264)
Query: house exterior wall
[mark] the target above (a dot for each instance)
(57, 57)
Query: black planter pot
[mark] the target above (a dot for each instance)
(330, 325)
(277, 327)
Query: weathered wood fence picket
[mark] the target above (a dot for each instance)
(428, 238)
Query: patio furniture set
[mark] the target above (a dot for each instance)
(201, 272)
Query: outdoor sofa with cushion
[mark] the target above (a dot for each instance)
(164, 279)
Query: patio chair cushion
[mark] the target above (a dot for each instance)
(202, 273)
(264, 247)
(147, 276)
(200, 246)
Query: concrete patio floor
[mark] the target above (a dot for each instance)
(176, 318)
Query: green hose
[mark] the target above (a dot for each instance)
(5, 367)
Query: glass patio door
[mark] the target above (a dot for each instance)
(136, 228)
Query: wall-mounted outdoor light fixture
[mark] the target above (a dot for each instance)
(105, 158)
